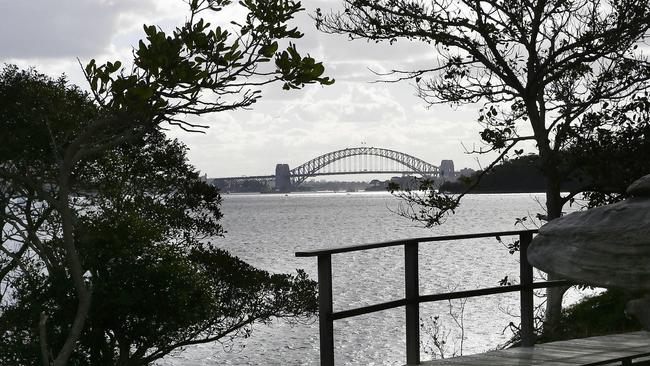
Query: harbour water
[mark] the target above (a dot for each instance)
(266, 231)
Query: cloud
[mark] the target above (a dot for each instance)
(284, 126)
(64, 28)
(318, 120)
(348, 102)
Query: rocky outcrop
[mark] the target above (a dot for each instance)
(607, 246)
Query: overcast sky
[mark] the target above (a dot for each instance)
(284, 127)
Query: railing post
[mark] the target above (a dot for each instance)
(526, 293)
(325, 309)
(412, 287)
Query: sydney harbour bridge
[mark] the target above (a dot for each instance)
(356, 160)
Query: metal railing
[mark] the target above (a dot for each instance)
(412, 298)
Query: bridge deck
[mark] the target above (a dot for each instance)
(620, 349)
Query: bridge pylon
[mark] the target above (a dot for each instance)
(282, 178)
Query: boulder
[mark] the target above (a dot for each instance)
(606, 246)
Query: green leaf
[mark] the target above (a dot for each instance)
(90, 67)
(269, 50)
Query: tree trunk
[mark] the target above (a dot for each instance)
(554, 298)
(74, 267)
(549, 164)
(553, 211)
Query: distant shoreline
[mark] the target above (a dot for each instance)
(496, 191)
(359, 192)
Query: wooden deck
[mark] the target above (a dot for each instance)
(620, 349)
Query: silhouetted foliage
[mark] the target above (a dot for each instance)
(142, 221)
(151, 295)
(538, 67)
(609, 151)
(596, 315)
(196, 69)
(545, 64)
(520, 174)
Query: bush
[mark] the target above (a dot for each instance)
(596, 315)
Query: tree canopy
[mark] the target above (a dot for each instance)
(144, 221)
(538, 67)
(142, 226)
(196, 69)
(541, 70)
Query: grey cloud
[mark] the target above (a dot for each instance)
(289, 127)
(339, 47)
(64, 28)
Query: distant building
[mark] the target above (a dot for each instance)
(466, 172)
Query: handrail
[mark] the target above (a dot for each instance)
(444, 296)
(412, 298)
(394, 243)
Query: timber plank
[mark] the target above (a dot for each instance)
(587, 351)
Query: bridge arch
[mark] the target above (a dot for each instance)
(310, 168)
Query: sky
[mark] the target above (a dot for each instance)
(289, 127)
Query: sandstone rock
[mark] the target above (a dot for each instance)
(640, 309)
(607, 246)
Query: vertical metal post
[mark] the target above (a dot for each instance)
(412, 287)
(526, 292)
(325, 309)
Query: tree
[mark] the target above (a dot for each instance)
(197, 69)
(538, 67)
(159, 284)
(607, 150)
